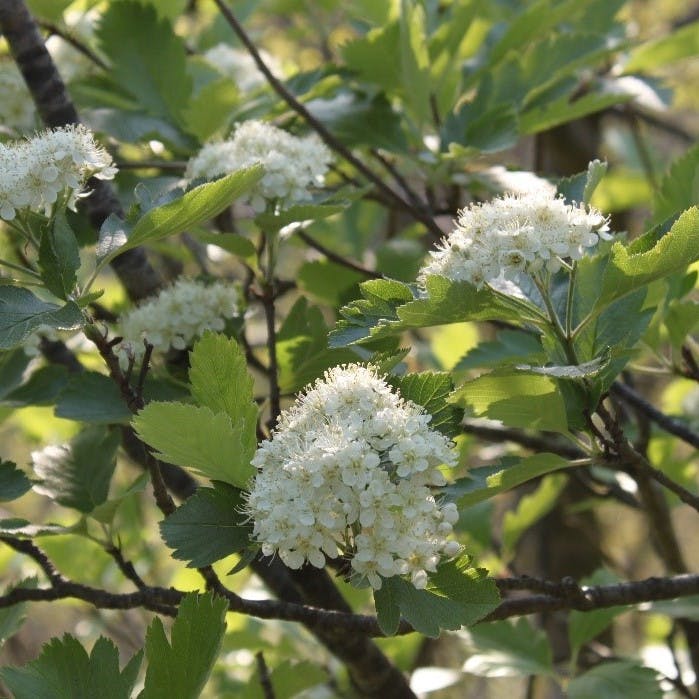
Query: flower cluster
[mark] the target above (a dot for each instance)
(350, 470)
(239, 66)
(33, 173)
(178, 315)
(292, 165)
(17, 111)
(515, 234)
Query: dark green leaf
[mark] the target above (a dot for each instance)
(65, 671)
(679, 188)
(502, 649)
(13, 364)
(147, 58)
(288, 680)
(13, 482)
(209, 526)
(21, 312)
(12, 618)
(581, 187)
(42, 388)
(508, 347)
(616, 680)
(180, 668)
(431, 390)
(93, 398)
(78, 474)
(59, 257)
(22, 528)
(113, 235)
(487, 481)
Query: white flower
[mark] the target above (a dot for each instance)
(178, 315)
(515, 234)
(349, 472)
(239, 66)
(17, 110)
(292, 165)
(33, 173)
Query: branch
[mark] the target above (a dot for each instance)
(667, 423)
(332, 142)
(334, 257)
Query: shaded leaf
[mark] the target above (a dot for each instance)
(21, 312)
(180, 668)
(59, 257)
(93, 398)
(13, 482)
(616, 680)
(208, 527)
(580, 188)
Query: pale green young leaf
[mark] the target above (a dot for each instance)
(679, 187)
(220, 381)
(619, 679)
(64, 670)
(77, 475)
(59, 257)
(180, 667)
(485, 482)
(626, 271)
(415, 59)
(519, 400)
(13, 482)
(506, 649)
(208, 526)
(210, 110)
(196, 438)
(21, 312)
(195, 206)
(366, 55)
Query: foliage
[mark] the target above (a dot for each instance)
(425, 107)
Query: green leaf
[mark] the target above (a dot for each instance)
(431, 390)
(59, 257)
(581, 187)
(472, 130)
(682, 43)
(13, 365)
(209, 526)
(65, 671)
(210, 110)
(302, 348)
(230, 242)
(12, 618)
(616, 680)
(42, 388)
(113, 235)
(505, 649)
(147, 58)
(679, 188)
(77, 475)
(415, 59)
(271, 223)
(93, 398)
(487, 481)
(198, 205)
(530, 509)
(509, 346)
(458, 596)
(21, 312)
(220, 381)
(181, 667)
(329, 282)
(197, 438)
(288, 680)
(585, 370)
(519, 400)
(367, 56)
(13, 482)
(15, 526)
(584, 626)
(627, 271)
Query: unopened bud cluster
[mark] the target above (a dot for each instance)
(177, 316)
(33, 173)
(350, 471)
(292, 165)
(515, 234)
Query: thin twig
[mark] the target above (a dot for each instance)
(71, 39)
(334, 257)
(263, 673)
(126, 567)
